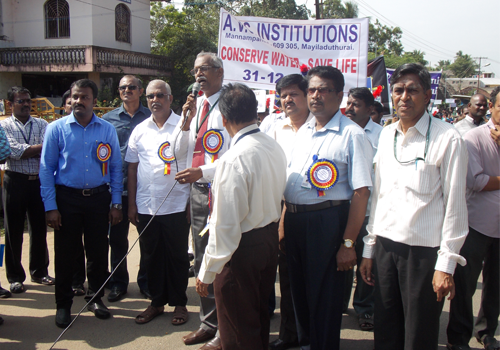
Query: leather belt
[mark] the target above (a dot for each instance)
(28, 177)
(302, 208)
(86, 192)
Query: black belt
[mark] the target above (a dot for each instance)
(302, 208)
(29, 177)
(86, 192)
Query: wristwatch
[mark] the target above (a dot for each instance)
(117, 206)
(348, 243)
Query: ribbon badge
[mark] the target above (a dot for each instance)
(322, 175)
(103, 155)
(212, 142)
(165, 154)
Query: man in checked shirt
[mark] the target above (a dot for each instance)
(21, 193)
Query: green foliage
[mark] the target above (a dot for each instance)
(285, 9)
(335, 9)
(393, 61)
(464, 66)
(107, 98)
(385, 40)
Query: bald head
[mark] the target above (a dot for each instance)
(159, 98)
(478, 106)
(157, 83)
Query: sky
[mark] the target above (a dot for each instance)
(440, 28)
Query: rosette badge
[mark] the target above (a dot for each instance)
(103, 155)
(166, 155)
(212, 142)
(322, 175)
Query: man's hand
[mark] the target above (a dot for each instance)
(189, 106)
(133, 214)
(366, 271)
(443, 284)
(188, 176)
(346, 258)
(53, 218)
(495, 134)
(201, 288)
(115, 216)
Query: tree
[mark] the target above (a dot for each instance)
(393, 61)
(286, 9)
(335, 9)
(464, 66)
(385, 40)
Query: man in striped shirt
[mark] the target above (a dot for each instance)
(21, 192)
(418, 220)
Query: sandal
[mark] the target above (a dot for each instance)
(180, 315)
(366, 322)
(489, 343)
(150, 313)
(458, 347)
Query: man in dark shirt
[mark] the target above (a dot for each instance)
(125, 118)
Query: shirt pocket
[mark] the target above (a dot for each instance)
(423, 180)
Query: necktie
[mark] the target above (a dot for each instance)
(199, 152)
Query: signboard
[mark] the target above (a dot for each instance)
(259, 51)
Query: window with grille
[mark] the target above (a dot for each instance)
(122, 23)
(56, 19)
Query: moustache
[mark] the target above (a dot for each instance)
(200, 79)
(156, 104)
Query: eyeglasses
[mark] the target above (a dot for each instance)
(26, 100)
(321, 91)
(159, 96)
(130, 87)
(201, 69)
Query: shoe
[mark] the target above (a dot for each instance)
(99, 309)
(191, 256)
(489, 342)
(279, 344)
(191, 271)
(214, 344)
(458, 347)
(78, 290)
(47, 280)
(17, 287)
(146, 294)
(4, 293)
(116, 294)
(63, 318)
(148, 314)
(197, 337)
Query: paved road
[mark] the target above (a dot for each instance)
(29, 319)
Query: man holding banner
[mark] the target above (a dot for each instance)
(325, 200)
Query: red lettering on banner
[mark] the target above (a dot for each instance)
(247, 55)
(354, 63)
(266, 57)
(252, 56)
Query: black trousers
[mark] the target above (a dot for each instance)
(312, 242)
(89, 215)
(166, 260)
(242, 291)
(406, 311)
(118, 244)
(288, 327)
(477, 249)
(22, 197)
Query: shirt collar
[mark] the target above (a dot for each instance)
(469, 119)
(71, 119)
(333, 124)
(287, 122)
(241, 132)
(212, 99)
(421, 126)
(141, 108)
(369, 126)
(172, 120)
(15, 120)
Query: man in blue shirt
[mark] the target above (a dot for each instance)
(125, 118)
(80, 162)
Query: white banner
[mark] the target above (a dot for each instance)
(259, 51)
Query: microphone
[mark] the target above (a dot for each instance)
(195, 91)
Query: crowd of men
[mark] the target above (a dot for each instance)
(313, 191)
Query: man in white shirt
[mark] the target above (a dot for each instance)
(478, 106)
(325, 202)
(482, 245)
(360, 104)
(293, 92)
(243, 243)
(208, 141)
(157, 150)
(418, 219)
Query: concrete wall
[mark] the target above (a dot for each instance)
(91, 23)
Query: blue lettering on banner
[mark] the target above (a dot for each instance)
(127, 1)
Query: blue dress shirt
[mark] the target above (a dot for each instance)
(341, 141)
(124, 125)
(69, 158)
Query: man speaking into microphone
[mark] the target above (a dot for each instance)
(208, 141)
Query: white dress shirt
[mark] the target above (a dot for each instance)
(247, 191)
(283, 133)
(421, 203)
(152, 183)
(372, 131)
(466, 124)
(484, 161)
(270, 121)
(214, 121)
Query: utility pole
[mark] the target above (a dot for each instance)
(479, 74)
(318, 14)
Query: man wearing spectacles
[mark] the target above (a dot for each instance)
(125, 118)
(418, 219)
(325, 202)
(21, 192)
(204, 119)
